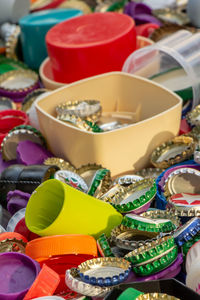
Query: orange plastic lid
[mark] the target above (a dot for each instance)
(12, 235)
(45, 247)
(44, 285)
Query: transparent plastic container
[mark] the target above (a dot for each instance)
(173, 62)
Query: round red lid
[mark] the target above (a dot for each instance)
(90, 30)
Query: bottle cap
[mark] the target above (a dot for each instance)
(186, 204)
(186, 232)
(86, 109)
(72, 179)
(150, 252)
(60, 163)
(145, 224)
(173, 152)
(104, 271)
(130, 239)
(104, 247)
(74, 282)
(132, 197)
(182, 180)
(162, 214)
(158, 264)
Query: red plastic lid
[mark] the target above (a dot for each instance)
(9, 119)
(62, 263)
(90, 30)
(44, 285)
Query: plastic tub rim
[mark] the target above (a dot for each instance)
(179, 101)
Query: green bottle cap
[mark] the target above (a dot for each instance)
(104, 247)
(129, 294)
(98, 180)
(157, 265)
(146, 224)
(151, 251)
(132, 197)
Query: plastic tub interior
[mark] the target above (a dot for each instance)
(157, 114)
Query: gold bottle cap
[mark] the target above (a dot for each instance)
(30, 98)
(89, 110)
(193, 117)
(60, 163)
(12, 139)
(156, 296)
(182, 180)
(11, 43)
(18, 80)
(150, 172)
(130, 239)
(172, 152)
(171, 16)
(84, 170)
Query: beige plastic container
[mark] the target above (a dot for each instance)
(123, 149)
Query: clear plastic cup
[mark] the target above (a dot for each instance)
(173, 62)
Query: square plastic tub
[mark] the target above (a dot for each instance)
(157, 112)
(169, 286)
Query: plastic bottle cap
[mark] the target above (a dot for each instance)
(45, 283)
